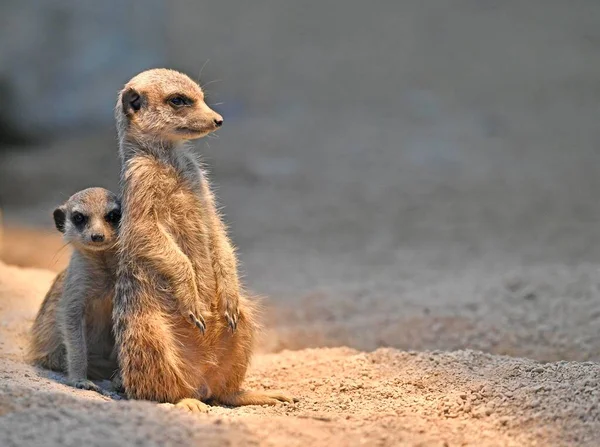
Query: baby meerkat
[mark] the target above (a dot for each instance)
(72, 332)
(183, 326)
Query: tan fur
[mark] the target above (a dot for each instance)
(72, 332)
(177, 268)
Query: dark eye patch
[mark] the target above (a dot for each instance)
(180, 101)
(113, 217)
(78, 219)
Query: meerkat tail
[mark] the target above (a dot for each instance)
(242, 398)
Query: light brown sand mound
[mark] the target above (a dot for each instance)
(347, 397)
(28, 247)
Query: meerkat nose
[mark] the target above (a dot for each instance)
(97, 237)
(218, 122)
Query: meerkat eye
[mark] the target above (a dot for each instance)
(78, 218)
(179, 101)
(113, 217)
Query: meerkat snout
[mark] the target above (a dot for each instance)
(97, 237)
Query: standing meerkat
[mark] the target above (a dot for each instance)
(72, 332)
(184, 328)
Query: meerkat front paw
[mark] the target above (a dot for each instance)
(198, 321)
(192, 406)
(232, 313)
(197, 317)
(85, 384)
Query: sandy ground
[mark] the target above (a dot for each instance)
(346, 397)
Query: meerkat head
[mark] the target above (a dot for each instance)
(165, 105)
(89, 219)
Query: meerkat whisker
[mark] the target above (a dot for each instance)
(201, 69)
(58, 252)
(210, 82)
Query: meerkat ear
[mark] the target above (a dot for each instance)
(59, 218)
(131, 101)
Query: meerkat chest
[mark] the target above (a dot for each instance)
(188, 220)
(98, 317)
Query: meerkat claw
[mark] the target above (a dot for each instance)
(231, 321)
(199, 323)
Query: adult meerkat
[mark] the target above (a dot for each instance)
(72, 332)
(184, 328)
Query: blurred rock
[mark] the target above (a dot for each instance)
(61, 61)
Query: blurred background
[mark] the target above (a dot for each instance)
(409, 173)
